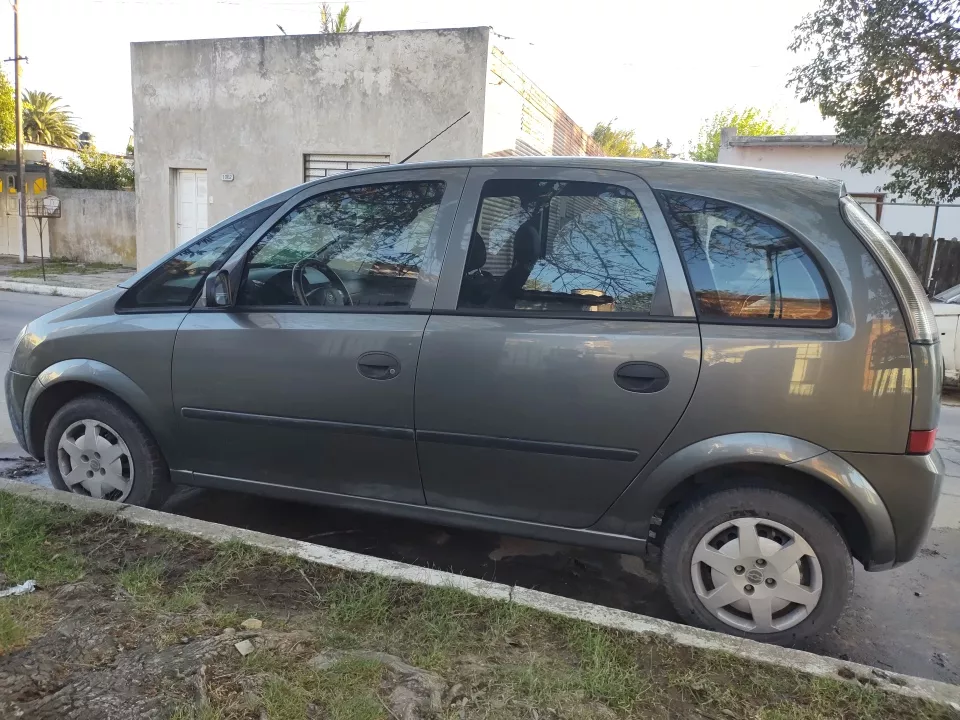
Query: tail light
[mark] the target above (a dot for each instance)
(921, 442)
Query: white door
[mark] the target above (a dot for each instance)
(191, 204)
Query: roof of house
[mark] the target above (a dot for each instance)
(788, 140)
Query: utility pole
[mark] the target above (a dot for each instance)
(21, 170)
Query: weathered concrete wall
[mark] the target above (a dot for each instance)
(95, 226)
(521, 119)
(253, 106)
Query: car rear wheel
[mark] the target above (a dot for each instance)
(96, 447)
(757, 563)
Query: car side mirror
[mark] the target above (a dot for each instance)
(217, 289)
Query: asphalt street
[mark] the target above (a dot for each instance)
(903, 620)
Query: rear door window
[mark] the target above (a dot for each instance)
(562, 247)
(745, 267)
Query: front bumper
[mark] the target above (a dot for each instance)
(909, 486)
(15, 387)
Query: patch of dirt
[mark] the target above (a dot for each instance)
(21, 468)
(101, 660)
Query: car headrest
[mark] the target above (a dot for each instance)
(526, 244)
(477, 254)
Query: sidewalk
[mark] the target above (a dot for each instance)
(61, 274)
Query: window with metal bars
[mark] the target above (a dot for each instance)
(317, 166)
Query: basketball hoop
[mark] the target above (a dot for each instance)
(41, 209)
(45, 207)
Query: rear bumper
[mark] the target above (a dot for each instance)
(909, 486)
(15, 387)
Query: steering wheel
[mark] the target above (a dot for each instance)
(336, 295)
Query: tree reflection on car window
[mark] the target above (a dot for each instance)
(561, 246)
(743, 265)
(372, 237)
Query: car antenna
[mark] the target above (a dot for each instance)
(434, 138)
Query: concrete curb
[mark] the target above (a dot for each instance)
(798, 660)
(41, 289)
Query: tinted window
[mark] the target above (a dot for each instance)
(178, 281)
(744, 266)
(359, 247)
(546, 246)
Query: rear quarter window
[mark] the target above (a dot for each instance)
(743, 267)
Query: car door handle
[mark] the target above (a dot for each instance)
(642, 377)
(378, 366)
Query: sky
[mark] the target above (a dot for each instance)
(658, 67)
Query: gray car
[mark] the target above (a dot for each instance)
(734, 366)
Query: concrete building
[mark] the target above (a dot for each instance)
(822, 155)
(220, 124)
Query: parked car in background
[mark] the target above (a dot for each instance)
(733, 365)
(946, 308)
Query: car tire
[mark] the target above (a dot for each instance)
(695, 577)
(131, 468)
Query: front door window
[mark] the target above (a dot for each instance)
(359, 247)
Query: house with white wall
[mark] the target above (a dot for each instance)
(824, 155)
(221, 124)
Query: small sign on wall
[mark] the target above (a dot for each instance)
(227, 177)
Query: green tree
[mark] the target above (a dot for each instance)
(46, 121)
(888, 73)
(749, 121)
(95, 170)
(622, 143)
(331, 22)
(8, 118)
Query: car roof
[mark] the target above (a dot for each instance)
(734, 183)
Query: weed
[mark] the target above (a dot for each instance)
(347, 691)
(21, 618)
(142, 581)
(204, 711)
(360, 602)
(28, 547)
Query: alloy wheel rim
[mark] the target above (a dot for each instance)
(756, 575)
(95, 461)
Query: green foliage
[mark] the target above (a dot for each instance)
(8, 117)
(888, 73)
(336, 23)
(622, 143)
(46, 121)
(95, 170)
(749, 121)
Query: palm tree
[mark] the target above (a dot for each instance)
(47, 121)
(330, 23)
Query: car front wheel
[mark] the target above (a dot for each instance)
(95, 446)
(758, 563)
